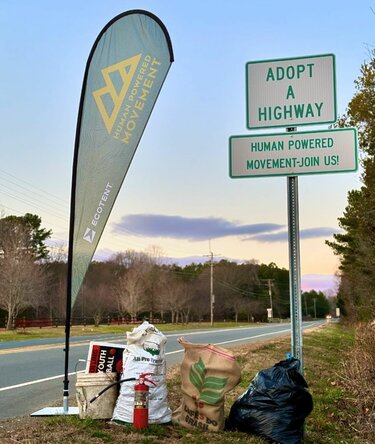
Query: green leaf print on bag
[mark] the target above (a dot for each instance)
(210, 387)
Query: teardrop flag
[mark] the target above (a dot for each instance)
(124, 74)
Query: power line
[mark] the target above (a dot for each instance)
(236, 289)
(33, 186)
(30, 203)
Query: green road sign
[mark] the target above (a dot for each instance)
(291, 92)
(293, 153)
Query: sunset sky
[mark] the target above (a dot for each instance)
(178, 194)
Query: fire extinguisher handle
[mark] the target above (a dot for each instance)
(143, 376)
(150, 381)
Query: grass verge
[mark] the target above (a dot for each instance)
(325, 351)
(90, 330)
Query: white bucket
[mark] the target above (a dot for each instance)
(88, 385)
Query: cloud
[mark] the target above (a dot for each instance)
(308, 233)
(195, 229)
(198, 229)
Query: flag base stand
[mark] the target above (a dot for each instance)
(55, 411)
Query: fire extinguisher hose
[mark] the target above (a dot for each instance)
(109, 386)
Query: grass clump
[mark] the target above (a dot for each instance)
(358, 377)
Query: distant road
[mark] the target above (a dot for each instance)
(31, 375)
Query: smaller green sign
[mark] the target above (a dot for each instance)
(293, 153)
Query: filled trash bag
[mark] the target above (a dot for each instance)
(144, 353)
(275, 405)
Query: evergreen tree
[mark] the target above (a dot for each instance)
(356, 245)
(34, 237)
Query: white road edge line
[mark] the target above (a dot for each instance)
(169, 353)
(24, 384)
(239, 339)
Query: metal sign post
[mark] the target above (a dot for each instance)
(295, 270)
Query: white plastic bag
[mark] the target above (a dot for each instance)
(144, 353)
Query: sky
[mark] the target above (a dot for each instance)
(178, 194)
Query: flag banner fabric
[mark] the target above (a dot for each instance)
(124, 74)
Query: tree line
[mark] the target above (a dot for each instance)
(355, 246)
(133, 285)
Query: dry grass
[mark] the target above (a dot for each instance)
(359, 377)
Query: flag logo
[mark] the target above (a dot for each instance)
(117, 79)
(89, 235)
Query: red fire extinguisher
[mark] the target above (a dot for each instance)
(140, 413)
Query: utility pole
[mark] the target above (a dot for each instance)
(314, 308)
(269, 283)
(212, 296)
(270, 295)
(306, 312)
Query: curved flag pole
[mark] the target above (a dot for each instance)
(125, 71)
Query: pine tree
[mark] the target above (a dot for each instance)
(356, 245)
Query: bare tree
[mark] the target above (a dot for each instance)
(130, 284)
(182, 301)
(96, 298)
(169, 284)
(186, 301)
(56, 289)
(21, 278)
(229, 292)
(154, 279)
(130, 289)
(97, 302)
(58, 253)
(251, 308)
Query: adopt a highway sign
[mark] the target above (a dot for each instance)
(291, 92)
(293, 153)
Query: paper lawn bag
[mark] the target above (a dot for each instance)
(208, 372)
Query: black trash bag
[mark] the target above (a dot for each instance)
(275, 405)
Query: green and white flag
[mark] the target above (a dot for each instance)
(124, 74)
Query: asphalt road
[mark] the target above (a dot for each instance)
(31, 376)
